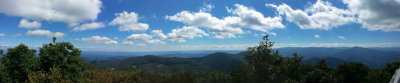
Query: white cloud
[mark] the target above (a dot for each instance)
(2, 35)
(16, 35)
(144, 47)
(155, 41)
(187, 32)
(376, 14)
(141, 44)
(316, 36)
(88, 26)
(206, 7)
(229, 26)
(128, 22)
(273, 33)
(321, 15)
(341, 37)
(137, 37)
(46, 33)
(99, 40)
(159, 34)
(25, 23)
(68, 11)
(128, 42)
(250, 18)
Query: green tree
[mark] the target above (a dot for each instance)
(241, 75)
(19, 62)
(216, 77)
(63, 56)
(2, 74)
(321, 74)
(391, 67)
(182, 77)
(377, 76)
(267, 65)
(352, 72)
(1, 52)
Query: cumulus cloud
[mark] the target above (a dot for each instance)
(24, 23)
(376, 14)
(316, 36)
(68, 11)
(250, 18)
(155, 41)
(228, 27)
(206, 7)
(320, 15)
(128, 22)
(99, 40)
(131, 39)
(2, 35)
(159, 34)
(341, 37)
(88, 26)
(187, 32)
(46, 33)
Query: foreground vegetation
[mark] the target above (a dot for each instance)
(61, 62)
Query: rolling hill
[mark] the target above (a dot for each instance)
(371, 57)
(218, 61)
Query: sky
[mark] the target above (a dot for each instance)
(171, 25)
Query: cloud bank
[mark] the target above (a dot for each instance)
(67, 11)
(46, 33)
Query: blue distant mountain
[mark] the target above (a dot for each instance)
(112, 55)
(373, 57)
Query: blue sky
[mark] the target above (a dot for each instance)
(166, 25)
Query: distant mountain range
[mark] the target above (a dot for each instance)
(227, 60)
(112, 55)
(224, 61)
(372, 57)
(218, 61)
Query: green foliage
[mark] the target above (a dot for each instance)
(57, 61)
(3, 77)
(267, 65)
(352, 72)
(242, 74)
(54, 76)
(377, 76)
(1, 52)
(391, 67)
(63, 56)
(321, 74)
(214, 77)
(182, 77)
(18, 63)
